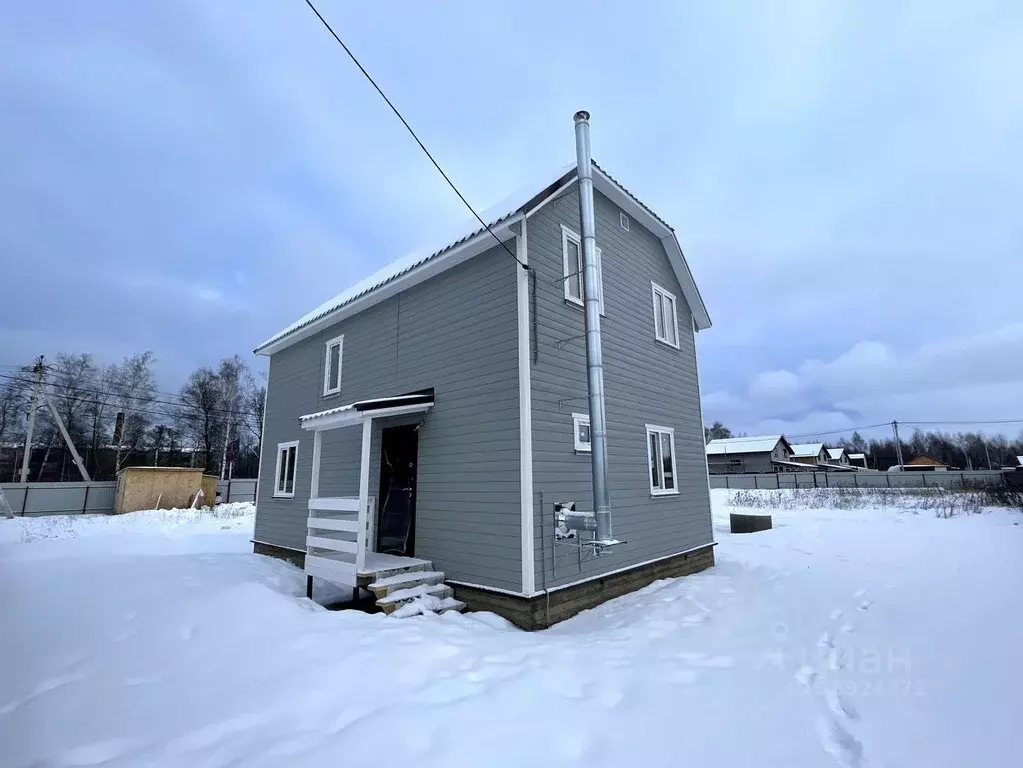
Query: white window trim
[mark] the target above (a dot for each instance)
(567, 235)
(656, 289)
(623, 220)
(338, 341)
(655, 429)
(279, 494)
(577, 420)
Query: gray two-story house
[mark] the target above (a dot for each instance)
(421, 428)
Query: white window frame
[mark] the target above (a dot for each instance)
(283, 467)
(655, 490)
(567, 236)
(623, 220)
(339, 342)
(578, 419)
(659, 291)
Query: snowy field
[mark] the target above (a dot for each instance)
(844, 636)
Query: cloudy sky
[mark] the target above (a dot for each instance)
(846, 178)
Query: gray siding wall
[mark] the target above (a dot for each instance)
(645, 382)
(457, 333)
(751, 462)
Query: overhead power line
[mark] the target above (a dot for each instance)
(408, 127)
(178, 403)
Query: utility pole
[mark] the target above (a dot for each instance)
(988, 454)
(37, 369)
(898, 444)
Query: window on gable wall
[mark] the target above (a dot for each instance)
(665, 316)
(581, 428)
(572, 251)
(660, 446)
(332, 366)
(284, 475)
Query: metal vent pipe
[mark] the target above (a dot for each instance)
(594, 356)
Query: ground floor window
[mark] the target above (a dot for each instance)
(284, 476)
(581, 425)
(660, 446)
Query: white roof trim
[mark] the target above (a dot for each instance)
(421, 265)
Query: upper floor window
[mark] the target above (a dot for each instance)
(284, 475)
(665, 316)
(581, 429)
(624, 221)
(572, 250)
(332, 366)
(660, 447)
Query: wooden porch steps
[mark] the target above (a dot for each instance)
(412, 590)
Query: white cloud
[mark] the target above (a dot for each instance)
(976, 377)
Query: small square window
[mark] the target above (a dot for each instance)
(581, 430)
(660, 449)
(665, 316)
(572, 252)
(624, 221)
(284, 474)
(332, 366)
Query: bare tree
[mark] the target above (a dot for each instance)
(71, 387)
(233, 375)
(134, 390)
(254, 405)
(200, 411)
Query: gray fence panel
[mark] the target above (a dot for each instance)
(911, 479)
(34, 499)
(237, 490)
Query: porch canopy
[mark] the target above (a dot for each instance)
(364, 410)
(329, 554)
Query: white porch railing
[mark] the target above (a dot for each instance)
(329, 555)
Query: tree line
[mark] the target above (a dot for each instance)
(963, 450)
(117, 417)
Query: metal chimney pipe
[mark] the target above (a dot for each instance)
(594, 356)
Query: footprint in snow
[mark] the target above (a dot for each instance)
(840, 743)
(806, 675)
(865, 605)
(836, 614)
(840, 705)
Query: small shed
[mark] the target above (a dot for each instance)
(161, 488)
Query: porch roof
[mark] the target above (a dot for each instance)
(363, 410)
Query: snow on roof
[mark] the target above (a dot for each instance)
(835, 453)
(1019, 460)
(498, 214)
(492, 215)
(807, 450)
(761, 444)
(857, 455)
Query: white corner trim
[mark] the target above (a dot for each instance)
(525, 412)
(339, 341)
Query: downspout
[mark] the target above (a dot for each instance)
(594, 356)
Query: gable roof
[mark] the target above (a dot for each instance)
(807, 450)
(474, 239)
(759, 444)
(834, 454)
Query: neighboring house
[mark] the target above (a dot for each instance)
(809, 453)
(858, 459)
(1019, 461)
(738, 455)
(922, 464)
(436, 412)
(838, 456)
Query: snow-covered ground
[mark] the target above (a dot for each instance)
(865, 636)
